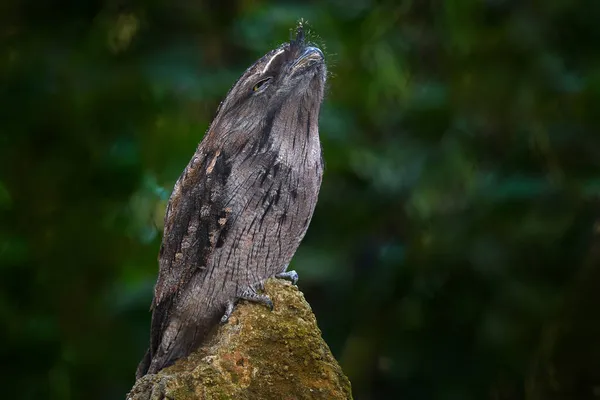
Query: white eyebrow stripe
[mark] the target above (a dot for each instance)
(271, 60)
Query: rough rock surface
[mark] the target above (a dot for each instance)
(257, 354)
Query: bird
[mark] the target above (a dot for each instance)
(243, 204)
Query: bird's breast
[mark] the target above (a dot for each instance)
(270, 205)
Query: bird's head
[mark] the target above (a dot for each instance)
(280, 93)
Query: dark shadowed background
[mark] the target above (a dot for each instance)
(455, 250)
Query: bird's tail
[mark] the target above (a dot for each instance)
(143, 366)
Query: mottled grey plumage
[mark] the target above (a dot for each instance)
(242, 205)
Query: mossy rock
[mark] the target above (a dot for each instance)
(257, 354)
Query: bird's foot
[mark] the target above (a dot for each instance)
(291, 276)
(249, 295)
(254, 297)
(228, 310)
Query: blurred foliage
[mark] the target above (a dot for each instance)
(454, 250)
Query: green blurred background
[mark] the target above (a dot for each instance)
(454, 253)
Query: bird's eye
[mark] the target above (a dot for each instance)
(260, 85)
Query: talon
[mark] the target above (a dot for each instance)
(291, 276)
(228, 311)
(269, 303)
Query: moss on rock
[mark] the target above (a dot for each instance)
(258, 354)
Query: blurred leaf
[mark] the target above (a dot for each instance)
(5, 200)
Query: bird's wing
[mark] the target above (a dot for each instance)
(196, 221)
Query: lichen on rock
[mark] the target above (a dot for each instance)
(257, 354)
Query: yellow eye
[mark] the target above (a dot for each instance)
(260, 85)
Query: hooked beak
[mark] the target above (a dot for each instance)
(310, 56)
